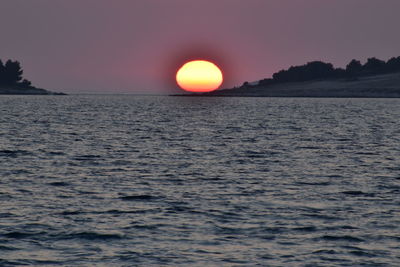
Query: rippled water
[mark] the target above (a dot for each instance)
(158, 181)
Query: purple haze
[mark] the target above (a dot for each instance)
(135, 46)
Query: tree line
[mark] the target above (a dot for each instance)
(318, 70)
(11, 74)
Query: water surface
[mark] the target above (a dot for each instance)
(169, 181)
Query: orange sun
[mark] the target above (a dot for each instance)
(199, 76)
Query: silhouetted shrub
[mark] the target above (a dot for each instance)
(339, 73)
(245, 84)
(25, 83)
(266, 82)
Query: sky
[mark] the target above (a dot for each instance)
(136, 46)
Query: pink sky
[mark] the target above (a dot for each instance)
(126, 46)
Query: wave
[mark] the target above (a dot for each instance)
(90, 236)
(13, 153)
(138, 197)
(348, 238)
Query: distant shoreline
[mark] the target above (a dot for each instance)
(253, 96)
(377, 86)
(374, 79)
(12, 81)
(26, 91)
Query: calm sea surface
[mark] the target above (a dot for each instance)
(169, 181)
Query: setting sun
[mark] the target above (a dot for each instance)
(199, 76)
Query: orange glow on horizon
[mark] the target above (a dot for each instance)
(199, 76)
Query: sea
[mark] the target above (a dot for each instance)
(125, 180)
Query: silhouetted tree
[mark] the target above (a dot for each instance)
(12, 73)
(1, 72)
(311, 71)
(374, 66)
(320, 70)
(354, 68)
(393, 64)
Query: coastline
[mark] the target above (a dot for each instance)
(14, 90)
(377, 86)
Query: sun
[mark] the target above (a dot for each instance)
(199, 76)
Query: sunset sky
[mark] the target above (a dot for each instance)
(127, 46)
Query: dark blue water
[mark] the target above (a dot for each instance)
(168, 181)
